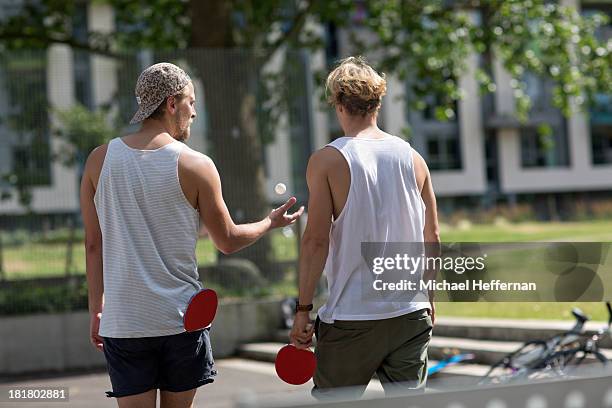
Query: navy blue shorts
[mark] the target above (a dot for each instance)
(176, 363)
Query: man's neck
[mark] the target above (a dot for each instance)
(151, 128)
(361, 127)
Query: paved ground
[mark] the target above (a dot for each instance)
(237, 379)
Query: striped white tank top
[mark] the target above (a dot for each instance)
(149, 235)
(384, 204)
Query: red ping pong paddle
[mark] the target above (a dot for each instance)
(201, 310)
(295, 366)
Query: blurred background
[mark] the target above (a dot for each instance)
(509, 102)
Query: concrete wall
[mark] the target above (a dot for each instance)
(56, 342)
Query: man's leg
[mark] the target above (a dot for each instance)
(348, 353)
(186, 364)
(145, 400)
(405, 368)
(171, 399)
(133, 370)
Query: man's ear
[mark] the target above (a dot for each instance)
(171, 104)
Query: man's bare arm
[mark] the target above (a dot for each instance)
(315, 241)
(431, 230)
(93, 236)
(228, 236)
(93, 244)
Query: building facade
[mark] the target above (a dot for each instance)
(479, 159)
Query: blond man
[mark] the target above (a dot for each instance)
(368, 186)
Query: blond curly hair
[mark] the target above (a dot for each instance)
(355, 86)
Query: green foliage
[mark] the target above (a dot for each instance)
(18, 185)
(553, 41)
(425, 41)
(83, 130)
(160, 24)
(25, 74)
(429, 42)
(36, 24)
(31, 297)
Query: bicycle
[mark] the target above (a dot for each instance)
(565, 361)
(532, 355)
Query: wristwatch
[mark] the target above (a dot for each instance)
(303, 308)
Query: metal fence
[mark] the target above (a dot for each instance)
(254, 120)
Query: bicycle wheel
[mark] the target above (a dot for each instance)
(567, 362)
(517, 364)
(529, 355)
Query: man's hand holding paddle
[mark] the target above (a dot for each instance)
(302, 331)
(295, 363)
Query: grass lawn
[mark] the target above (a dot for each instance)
(35, 260)
(594, 231)
(522, 310)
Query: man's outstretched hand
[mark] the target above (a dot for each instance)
(279, 217)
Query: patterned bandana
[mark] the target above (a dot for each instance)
(154, 85)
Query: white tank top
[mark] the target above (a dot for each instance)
(149, 235)
(384, 204)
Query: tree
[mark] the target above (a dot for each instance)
(426, 40)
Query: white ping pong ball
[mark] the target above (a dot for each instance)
(280, 189)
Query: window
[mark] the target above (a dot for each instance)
(601, 112)
(24, 116)
(601, 142)
(439, 142)
(443, 151)
(31, 163)
(538, 150)
(544, 151)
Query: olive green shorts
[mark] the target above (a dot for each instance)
(349, 353)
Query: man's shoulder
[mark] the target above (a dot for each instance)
(191, 156)
(193, 162)
(327, 157)
(97, 155)
(418, 161)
